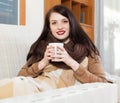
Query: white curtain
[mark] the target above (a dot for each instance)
(107, 33)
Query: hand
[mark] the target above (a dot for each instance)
(47, 57)
(63, 56)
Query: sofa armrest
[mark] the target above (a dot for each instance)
(84, 93)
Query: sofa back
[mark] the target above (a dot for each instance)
(13, 51)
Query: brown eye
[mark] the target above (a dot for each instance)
(53, 23)
(65, 21)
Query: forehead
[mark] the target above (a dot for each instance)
(56, 16)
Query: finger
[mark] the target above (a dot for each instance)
(60, 48)
(59, 56)
(50, 48)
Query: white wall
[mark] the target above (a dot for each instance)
(16, 40)
(34, 22)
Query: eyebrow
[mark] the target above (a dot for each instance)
(62, 19)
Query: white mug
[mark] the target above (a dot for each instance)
(55, 45)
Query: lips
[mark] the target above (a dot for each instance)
(61, 32)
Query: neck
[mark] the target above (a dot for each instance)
(66, 40)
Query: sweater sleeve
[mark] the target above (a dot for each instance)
(91, 72)
(32, 71)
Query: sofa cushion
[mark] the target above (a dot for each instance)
(13, 51)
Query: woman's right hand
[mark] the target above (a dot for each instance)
(48, 55)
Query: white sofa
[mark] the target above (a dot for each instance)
(85, 93)
(13, 51)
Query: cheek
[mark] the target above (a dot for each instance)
(68, 27)
(52, 29)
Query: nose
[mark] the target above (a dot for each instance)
(60, 26)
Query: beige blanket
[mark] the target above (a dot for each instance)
(26, 85)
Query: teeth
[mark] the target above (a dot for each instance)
(60, 32)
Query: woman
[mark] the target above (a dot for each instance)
(77, 62)
(79, 56)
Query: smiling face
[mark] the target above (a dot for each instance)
(59, 26)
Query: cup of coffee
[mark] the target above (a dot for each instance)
(55, 45)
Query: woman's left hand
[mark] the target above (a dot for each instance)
(63, 56)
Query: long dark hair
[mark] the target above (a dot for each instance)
(79, 46)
